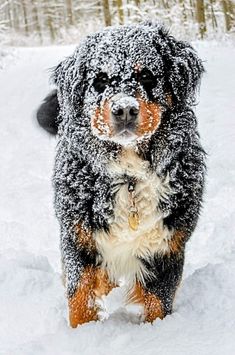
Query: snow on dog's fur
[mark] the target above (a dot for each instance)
(129, 169)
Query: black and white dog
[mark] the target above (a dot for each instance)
(129, 169)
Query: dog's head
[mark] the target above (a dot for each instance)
(121, 81)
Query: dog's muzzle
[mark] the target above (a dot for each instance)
(124, 113)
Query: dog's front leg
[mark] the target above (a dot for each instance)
(84, 281)
(92, 285)
(157, 291)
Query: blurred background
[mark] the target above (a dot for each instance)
(43, 22)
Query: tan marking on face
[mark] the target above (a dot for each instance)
(176, 242)
(100, 122)
(137, 67)
(152, 304)
(169, 100)
(93, 283)
(149, 117)
(84, 238)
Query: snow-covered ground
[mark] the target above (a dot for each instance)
(32, 303)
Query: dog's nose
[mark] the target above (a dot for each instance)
(127, 114)
(125, 109)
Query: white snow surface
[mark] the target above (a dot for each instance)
(33, 313)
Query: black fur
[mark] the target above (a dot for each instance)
(84, 191)
(48, 113)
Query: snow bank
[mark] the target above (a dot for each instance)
(33, 307)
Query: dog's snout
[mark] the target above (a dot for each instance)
(124, 109)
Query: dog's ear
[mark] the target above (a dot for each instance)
(62, 71)
(48, 113)
(184, 73)
(68, 76)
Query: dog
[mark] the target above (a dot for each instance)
(129, 167)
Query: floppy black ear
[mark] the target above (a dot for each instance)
(62, 72)
(48, 113)
(185, 72)
(68, 76)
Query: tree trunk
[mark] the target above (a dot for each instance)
(201, 17)
(213, 17)
(192, 9)
(26, 25)
(36, 21)
(107, 15)
(9, 15)
(120, 11)
(165, 4)
(69, 6)
(183, 10)
(15, 13)
(49, 14)
(228, 14)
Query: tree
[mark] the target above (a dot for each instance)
(36, 21)
(120, 11)
(201, 19)
(228, 14)
(24, 8)
(107, 15)
(69, 6)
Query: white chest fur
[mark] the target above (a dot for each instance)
(122, 247)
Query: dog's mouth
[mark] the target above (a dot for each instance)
(124, 128)
(124, 137)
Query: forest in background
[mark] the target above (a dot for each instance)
(43, 22)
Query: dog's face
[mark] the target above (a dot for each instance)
(120, 81)
(126, 108)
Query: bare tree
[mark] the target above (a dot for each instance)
(55, 17)
(107, 15)
(49, 13)
(69, 7)
(183, 11)
(36, 21)
(228, 14)
(26, 25)
(120, 11)
(201, 19)
(213, 17)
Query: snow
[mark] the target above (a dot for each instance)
(33, 317)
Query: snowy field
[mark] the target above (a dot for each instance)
(33, 316)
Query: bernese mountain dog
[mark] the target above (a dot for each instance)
(129, 167)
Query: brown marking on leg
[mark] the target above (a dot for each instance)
(152, 304)
(84, 238)
(176, 243)
(150, 117)
(100, 121)
(82, 307)
(93, 283)
(102, 284)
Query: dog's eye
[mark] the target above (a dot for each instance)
(146, 78)
(100, 82)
